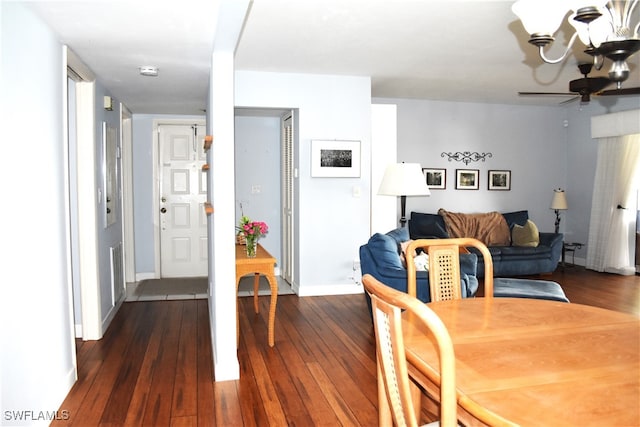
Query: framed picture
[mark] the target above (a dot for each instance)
(467, 179)
(335, 158)
(436, 178)
(500, 180)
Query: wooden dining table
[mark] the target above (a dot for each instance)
(534, 362)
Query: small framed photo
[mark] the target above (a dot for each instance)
(467, 179)
(500, 180)
(436, 178)
(335, 159)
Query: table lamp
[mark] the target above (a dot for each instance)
(403, 179)
(559, 203)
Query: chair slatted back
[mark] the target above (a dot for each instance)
(388, 304)
(444, 272)
(445, 265)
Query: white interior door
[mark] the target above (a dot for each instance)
(183, 191)
(287, 198)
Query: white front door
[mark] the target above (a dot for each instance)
(183, 192)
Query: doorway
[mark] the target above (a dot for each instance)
(182, 192)
(265, 182)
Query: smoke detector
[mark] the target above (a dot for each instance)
(148, 70)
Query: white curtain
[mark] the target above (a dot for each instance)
(616, 183)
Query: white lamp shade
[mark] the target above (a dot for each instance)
(404, 179)
(559, 201)
(596, 32)
(540, 16)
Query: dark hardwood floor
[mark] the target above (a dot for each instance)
(153, 366)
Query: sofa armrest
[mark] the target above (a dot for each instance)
(551, 239)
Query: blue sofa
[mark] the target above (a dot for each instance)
(508, 261)
(380, 257)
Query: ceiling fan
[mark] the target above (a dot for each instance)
(587, 86)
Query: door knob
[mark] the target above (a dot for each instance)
(163, 210)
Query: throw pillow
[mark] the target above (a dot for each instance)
(513, 218)
(427, 226)
(526, 235)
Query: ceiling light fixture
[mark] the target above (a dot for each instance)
(605, 28)
(149, 70)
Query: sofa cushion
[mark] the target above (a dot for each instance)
(468, 264)
(514, 253)
(518, 217)
(385, 249)
(427, 226)
(399, 234)
(526, 235)
(490, 228)
(528, 288)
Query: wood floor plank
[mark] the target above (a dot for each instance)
(138, 404)
(158, 408)
(110, 350)
(319, 410)
(117, 406)
(157, 356)
(206, 398)
(264, 381)
(185, 392)
(228, 408)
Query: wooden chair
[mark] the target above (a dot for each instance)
(394, 384)
(444, 266)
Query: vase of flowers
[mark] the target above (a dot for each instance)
(252, 231)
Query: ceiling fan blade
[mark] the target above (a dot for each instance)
(569, 101)
(546, 94)
(623, 91)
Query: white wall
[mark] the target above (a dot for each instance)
(37, 334)
(331, 222)
(581, 165)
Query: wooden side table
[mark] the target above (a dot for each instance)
(263, 263)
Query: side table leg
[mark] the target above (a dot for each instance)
(273, 284)
(256, 285)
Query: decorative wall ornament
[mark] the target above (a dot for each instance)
(466, 156)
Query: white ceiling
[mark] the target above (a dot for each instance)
(469, 50)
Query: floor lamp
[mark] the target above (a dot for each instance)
(404, 179)
(559, 203)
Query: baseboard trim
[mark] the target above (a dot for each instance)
(112, 313)
(324, 290)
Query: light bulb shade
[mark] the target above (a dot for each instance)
(559, 201)
(404, 179)
(596, 32)
(540, 16)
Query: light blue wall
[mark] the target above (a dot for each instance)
(257, 157)
(331, 221)
(531, 142)
(108, 237)
(143, 189)
(544, 147)
(38, 351)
